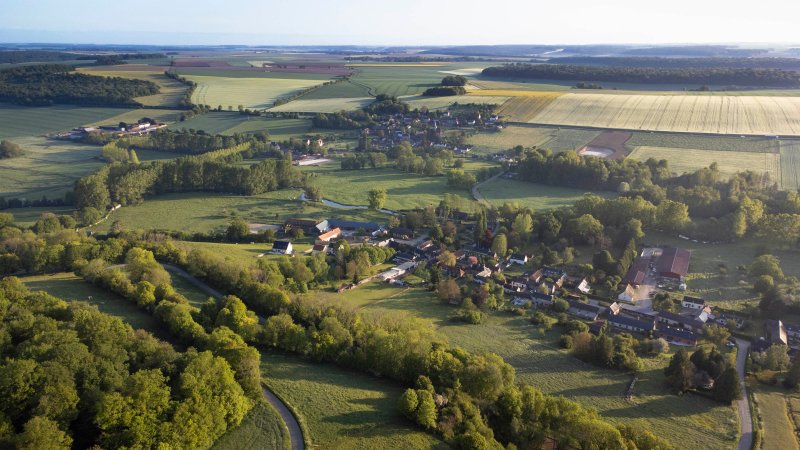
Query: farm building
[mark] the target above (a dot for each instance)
(541, 300)
(397, 271)
(282, 247)
(690, 302)
(681, 321)
(401, 233)
(582, 310)
(673, 263)
(330, 235)
(319, 248)
(309, 226)
(628, 294)
(349, 225)
(630, 324)
(776, 332)
(676, 336)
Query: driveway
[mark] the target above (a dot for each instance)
(743, 405)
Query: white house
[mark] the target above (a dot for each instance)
(693, 302)
(282, 247)
(628, 294)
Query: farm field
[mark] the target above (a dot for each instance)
(343, 409)
(171, 90)
(568, 139)
(539, 361)
(688, 160)
(203, 212)
(70, 287)
(18, 121)
(530, 195)
(778, 427)
(790, 165)
(47, 168)
(262, 428)
(702, 142)
(323, 105)
(404, 191)
(510, 137)
(250, 92)
(679, 113)
(419, 101)
(343, 89)
(228, 123)
(390, 81)
(26, 217)
(522, 108)
(161, 115)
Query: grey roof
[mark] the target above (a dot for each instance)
(353, 225)
(538, 295)
(631, 322)
(695, 300)
(584, 307)
(674, 332)
(281, 245)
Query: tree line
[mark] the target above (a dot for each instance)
(48, 84)
(649, 75)
(720, 62)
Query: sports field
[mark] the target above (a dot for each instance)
(688, 160)
(790, 165)
(343, 409)
(679, 113)
(530, 195)
(249, 92)
(33, 121)
(171, 90)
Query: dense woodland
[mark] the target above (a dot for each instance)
(27, 56)
(682, 63)
(48, 84)
(755, 77)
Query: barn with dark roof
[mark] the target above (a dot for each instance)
(673, 263)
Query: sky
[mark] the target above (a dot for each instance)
(403, 22)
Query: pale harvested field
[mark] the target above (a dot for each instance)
(790, 165)
(248, 92)
(171, 90)
(688, 160)
(525, 107)
(324, 105)
(678, 113)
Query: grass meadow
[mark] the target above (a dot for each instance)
(530, 195)
(779, 429)
(703, 142)
(682, 160)
(539, 361)
(204, 212)
(790, 165)
(262, 428)
(343, 409)
(412, 80)
(510, 137)
(680, 113)
(404, 190)
(249, 92)
(228, 123)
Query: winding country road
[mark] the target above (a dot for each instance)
(295, 433)
(743, 405)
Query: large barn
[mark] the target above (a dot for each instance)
(673, 263)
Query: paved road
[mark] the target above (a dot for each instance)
(295, 433)
(746, 422)
(476, 194)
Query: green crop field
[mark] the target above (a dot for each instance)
(779, 431)
(324, 105)
(171, 90)
(249, 92)
(510, 137)
(343, 409)
(161, 115)
(408, 80)
(70, 287)
(530, 195)
(231, 122)
(343, 89)
(204, 212)
(682, 113)
(47, 168)
(790, 165)
(683, 160)
(222, 72)
(262, 428)
(18, 121)
(566, 139)
(404, 191)
(539, 361)
(701, 142)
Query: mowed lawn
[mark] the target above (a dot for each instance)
(47, 168)
(682, 160)
(531, 195)
(404, 190)
(779, 430)
(687, 422)
(18, 121)
(681, 113)
(249, 92)
(71, 287)
(262, 428)
(204, 212)
(343, 409)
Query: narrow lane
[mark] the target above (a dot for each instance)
(745, 421)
